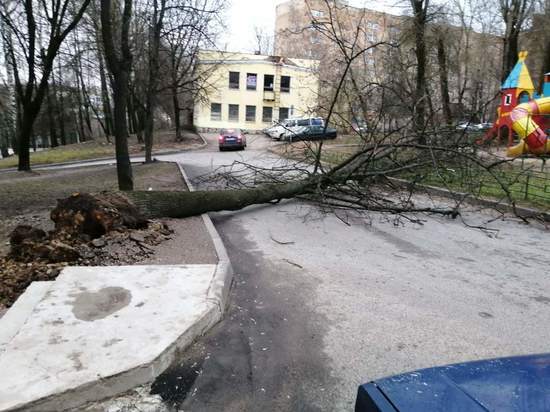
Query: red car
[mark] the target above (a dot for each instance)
(231, 139)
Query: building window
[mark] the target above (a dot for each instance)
(283, 113)
(250, 113)
(268, 82)
(267, 114)
(285, 84)
(508, 100)
(215, 111)
(233, 112)
(233, 80)
(251, 80)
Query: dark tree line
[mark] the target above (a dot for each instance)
(73, 64)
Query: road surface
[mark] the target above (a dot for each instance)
(321, 304)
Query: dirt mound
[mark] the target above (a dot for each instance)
(90, 230)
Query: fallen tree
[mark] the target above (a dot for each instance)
(355, 183)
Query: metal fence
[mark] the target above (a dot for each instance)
(528, 181)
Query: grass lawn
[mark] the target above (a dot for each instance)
(163, 140)
(60, 154)
(528, 187)
(23, 191)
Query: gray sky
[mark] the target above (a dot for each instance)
(243, 15)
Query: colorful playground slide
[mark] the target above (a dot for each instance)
(533, 138)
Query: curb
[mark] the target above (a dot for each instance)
(204, 142)
(223, 277)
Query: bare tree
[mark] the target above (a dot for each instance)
(30, 58)
(420, 20)
(515, 14)
(189, 27)
(440, 34)
(119, 61)
(155, 31)
(263, 41)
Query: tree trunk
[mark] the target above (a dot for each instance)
(545, 65)
(149, 123)
(184, 204)
(420, 8)
(105, 99)
(24, 139)
(51, 118)
(134, 118)
(443, 80)
(120, 67)
(31, 108)
(58, 94)
(80, 117)
(124, 167)
(510, 53)
(86, 104)
(177, 112)
(18, 123)
(154, 46)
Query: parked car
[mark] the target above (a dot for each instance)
(313, 133)
(467, 126)
(291, 127)
(519, 384)
(271, 129)
(485, 126)
(360, 126)
(231, 139)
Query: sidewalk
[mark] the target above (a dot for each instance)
(96, 332)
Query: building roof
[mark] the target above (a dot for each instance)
(519, 77)
(226, 57)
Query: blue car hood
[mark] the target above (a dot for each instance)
(519, 383)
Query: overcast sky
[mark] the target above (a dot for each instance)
(243, 15)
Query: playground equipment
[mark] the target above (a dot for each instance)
(524, 112)
(533, 138)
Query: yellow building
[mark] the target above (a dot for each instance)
(249, 91)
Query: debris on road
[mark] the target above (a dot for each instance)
(293, 264)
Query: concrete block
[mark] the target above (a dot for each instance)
(100, 331)
(20, 311)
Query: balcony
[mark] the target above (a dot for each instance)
(269, 95)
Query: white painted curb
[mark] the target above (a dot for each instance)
(223, 278)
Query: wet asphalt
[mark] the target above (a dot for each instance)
(267, 354)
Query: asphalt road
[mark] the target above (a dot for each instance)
(321, 303)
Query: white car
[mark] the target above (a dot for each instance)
(293, 126)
